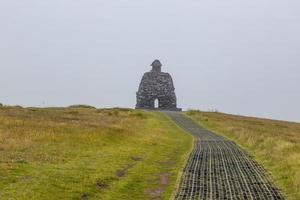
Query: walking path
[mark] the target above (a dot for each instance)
(219, 169)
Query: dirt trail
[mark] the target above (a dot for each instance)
(219, 169)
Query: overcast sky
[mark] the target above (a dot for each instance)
(236, 56)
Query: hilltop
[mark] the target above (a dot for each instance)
(81, 152)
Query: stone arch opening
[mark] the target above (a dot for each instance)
(156, 103)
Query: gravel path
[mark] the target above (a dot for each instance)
(219, 169)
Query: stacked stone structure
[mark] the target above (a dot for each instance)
(157, 85)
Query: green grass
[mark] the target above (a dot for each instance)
(274, 144)
(86, 153)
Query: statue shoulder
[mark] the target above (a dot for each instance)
(147, 75)
(166, 75)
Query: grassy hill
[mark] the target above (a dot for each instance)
(274, 144)
(86, 153)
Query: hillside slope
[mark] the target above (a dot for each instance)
(85, 153)
(274, 144)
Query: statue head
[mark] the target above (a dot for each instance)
(156, 66)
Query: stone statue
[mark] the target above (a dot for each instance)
(157, 85)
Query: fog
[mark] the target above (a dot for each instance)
(234, 56)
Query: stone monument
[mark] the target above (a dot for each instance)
(157, 86)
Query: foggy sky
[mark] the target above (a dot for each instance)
(236, 56)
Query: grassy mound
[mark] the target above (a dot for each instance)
(82, 106)
(83, 153)
(274, 144)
